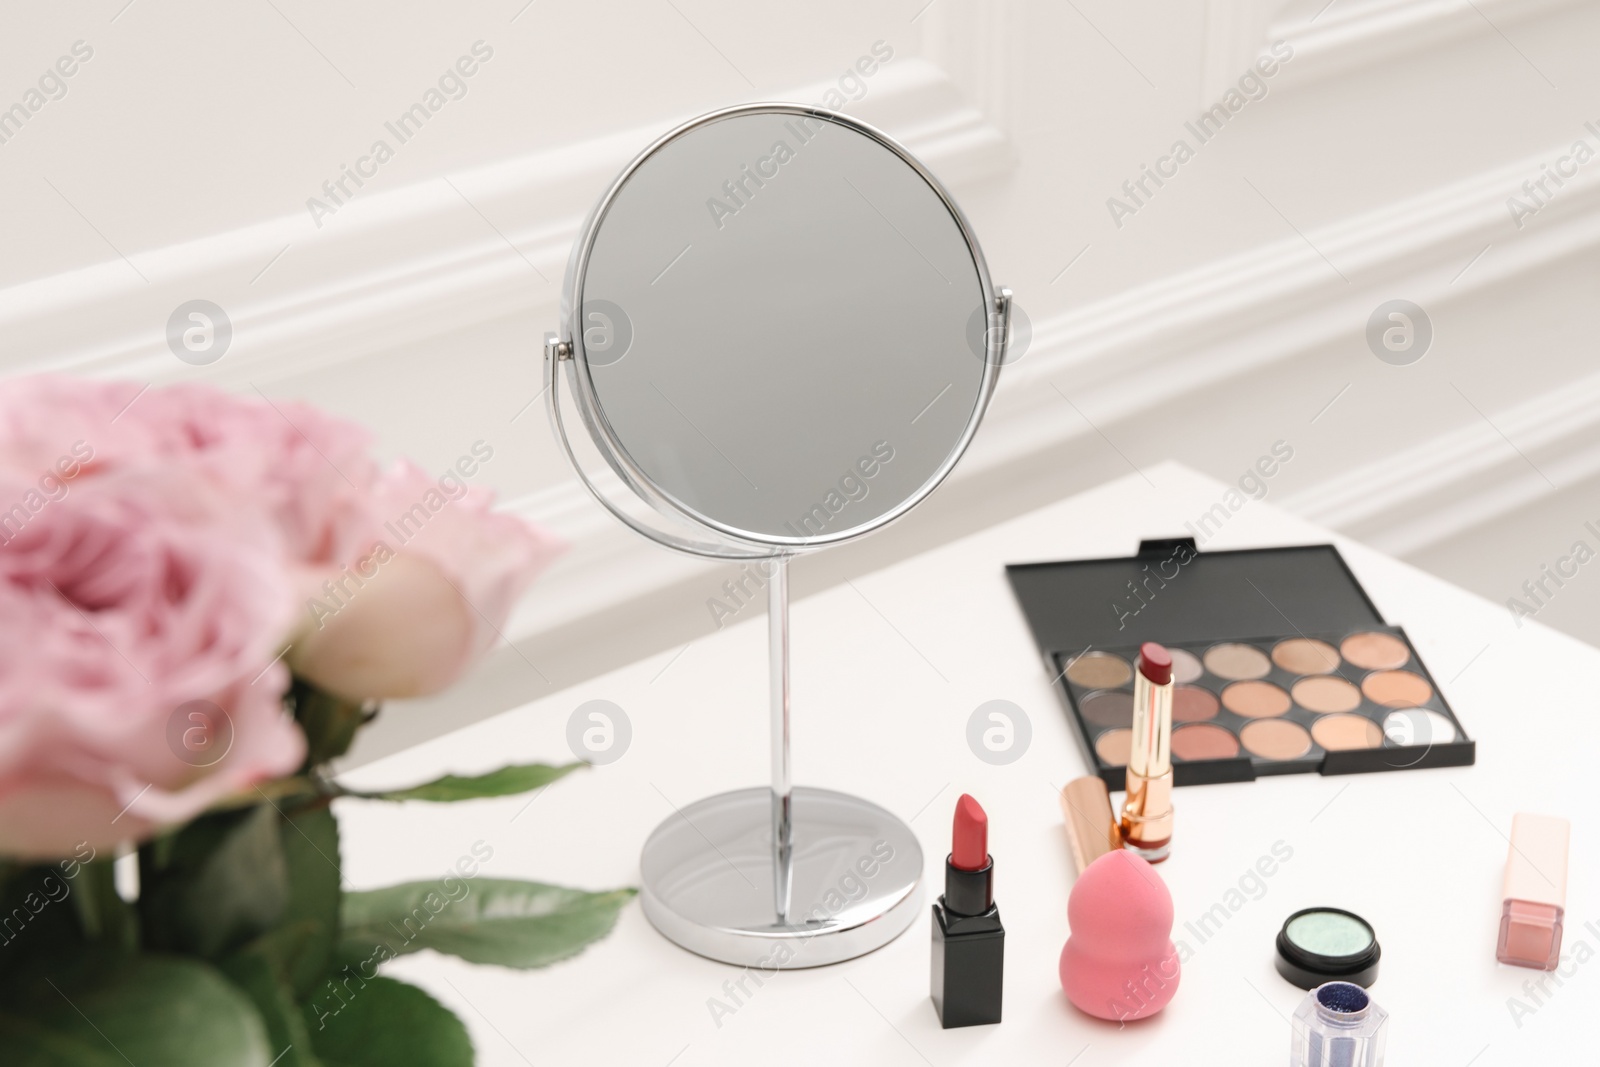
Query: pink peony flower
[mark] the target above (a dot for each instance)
(134, 601)
(429, 597)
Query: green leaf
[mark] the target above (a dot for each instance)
(379, 1022)
(507, 781)
(305, 942)
(39, 914)
(95, 1010)
(220, 881)
(491, 920)
(256, 974)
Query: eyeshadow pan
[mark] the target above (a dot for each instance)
(1114, 747)
(1111, 707)
(1276, 739)
(1375, 651)
(1185, 666)
(1329, 933)
(1099, 670)
(1326, 694)
(1255, 700)
(1305, 655)
(1190, 703)
(1203, 741)
(1233, 661)
(1417, 726)
(1339, 732)
(1397, 689)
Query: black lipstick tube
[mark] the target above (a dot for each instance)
(969, 948)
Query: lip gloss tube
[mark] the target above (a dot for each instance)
(1147, 809)
(1535, 892)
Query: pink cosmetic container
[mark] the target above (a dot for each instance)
(1535, 892)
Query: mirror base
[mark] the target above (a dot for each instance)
(707, 877)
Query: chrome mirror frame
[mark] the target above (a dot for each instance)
(731, 542)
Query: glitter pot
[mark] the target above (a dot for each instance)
(1319, 945)
(1338, 1025)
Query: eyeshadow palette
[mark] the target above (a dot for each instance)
(1341, 692)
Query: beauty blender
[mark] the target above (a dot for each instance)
(1120, 962)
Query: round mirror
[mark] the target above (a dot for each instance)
(779, 331)
(770, 317)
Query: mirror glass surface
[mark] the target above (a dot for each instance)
(783, 324)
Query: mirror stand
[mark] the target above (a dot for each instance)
(721, 440)
(781, 877)
(782, 785)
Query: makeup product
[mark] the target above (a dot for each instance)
(1147, 809)
(1281, 664)
(968, 941)
(1092, 827)
(1337, 1025)
(1119, 962)
(1319, 945)
(1535, 892)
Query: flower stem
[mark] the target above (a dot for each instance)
(102, 914)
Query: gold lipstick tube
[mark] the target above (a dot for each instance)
(1147, 809)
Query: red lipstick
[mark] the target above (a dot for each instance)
(1155, 663)
(968, 940)
(970, 839)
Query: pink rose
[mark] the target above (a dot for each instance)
(309, 473)
(125, 605)
(153, 543)
(430, 595)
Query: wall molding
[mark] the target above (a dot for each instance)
(974, 43)
(1236, 32)
(1330, 39)
(1465, 477)
(1351, 34)
(392, 266)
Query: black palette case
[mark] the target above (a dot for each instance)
(1174, 594)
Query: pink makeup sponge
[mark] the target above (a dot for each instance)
(1120, 962)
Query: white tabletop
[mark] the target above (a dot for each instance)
(888, 668)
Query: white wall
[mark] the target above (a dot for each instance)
(1221, 315)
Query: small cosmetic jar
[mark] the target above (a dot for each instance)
(1320, 945)
(1338, 1025)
